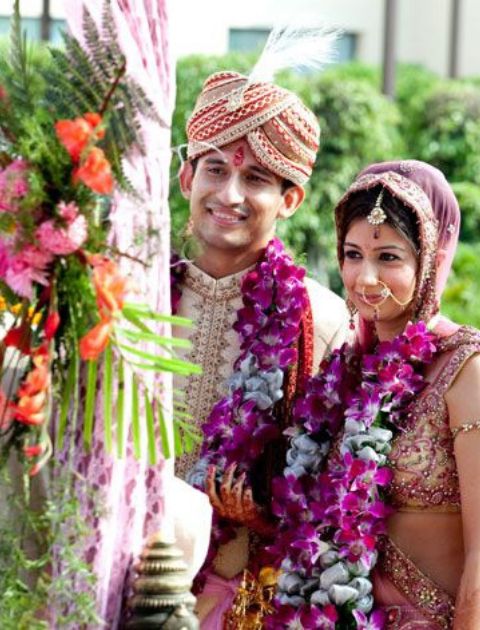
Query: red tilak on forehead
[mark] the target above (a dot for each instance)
(239, 156)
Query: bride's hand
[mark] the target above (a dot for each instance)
(235, 502)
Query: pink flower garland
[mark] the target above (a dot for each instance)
(269, 325)
(332, 512)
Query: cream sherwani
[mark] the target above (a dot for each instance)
(212, 305)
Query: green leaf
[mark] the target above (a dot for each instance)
(187, 434)
(164, 433)
(177, 440)
(166, 342)
(188, 427)
(66, 399)
(120, 406)
(107, 396)
(90, 402)
(133, 319)
(177, 366)
(137, 451)
(145, 312)
(152, 451)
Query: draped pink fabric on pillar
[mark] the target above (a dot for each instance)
(132, 489)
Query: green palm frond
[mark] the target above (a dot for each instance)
(20, 87)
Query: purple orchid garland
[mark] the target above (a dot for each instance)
(331, 510)
(242, 423)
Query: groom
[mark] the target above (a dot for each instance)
(251, 149)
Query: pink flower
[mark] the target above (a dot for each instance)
(13, 185)
(25, 268)
(35, 257)
(68, 211)
(4, 257)
(62, 241)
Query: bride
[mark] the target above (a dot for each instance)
(395, 507)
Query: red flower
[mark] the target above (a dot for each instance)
(51, 324)
(18, 338)
(95, 172)
(96, 340)
(76, 134)
(34, 450)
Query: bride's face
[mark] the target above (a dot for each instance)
(379, 274)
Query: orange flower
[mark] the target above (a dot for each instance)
(74, 135)
(77, 133)
(30, 409)
(95, 120)
(111, 287)
(96, 340)
(31, 406)
(36, 380)
(95, 172)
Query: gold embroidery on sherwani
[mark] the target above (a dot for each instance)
(213, 305)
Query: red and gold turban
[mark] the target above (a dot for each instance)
(282, 133)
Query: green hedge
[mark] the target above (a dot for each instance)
(461, 299)
(431, 119)
(449, 131)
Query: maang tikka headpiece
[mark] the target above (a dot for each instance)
(377, 215)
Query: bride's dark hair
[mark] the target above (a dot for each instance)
(399, 216)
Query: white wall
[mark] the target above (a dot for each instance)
(423, 26)
(470, 36)
(202, 26)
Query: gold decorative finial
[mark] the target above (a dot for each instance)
(162, 597)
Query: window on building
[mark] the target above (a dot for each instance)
(56, 28)
(32, 26)
(247, 39)
(253, 39)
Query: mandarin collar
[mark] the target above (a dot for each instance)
(201, 282)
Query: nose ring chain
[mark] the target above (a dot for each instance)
(385, 293)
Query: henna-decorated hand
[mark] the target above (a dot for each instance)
(235, 502)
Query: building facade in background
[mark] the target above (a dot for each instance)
(41, 19)
(214, 27)
(423, 28)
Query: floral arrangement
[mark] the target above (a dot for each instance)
(64, 128)
(269, 326)
(332, 514)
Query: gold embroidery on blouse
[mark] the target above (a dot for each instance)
(422, 457)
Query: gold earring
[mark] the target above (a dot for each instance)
(352, 309)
